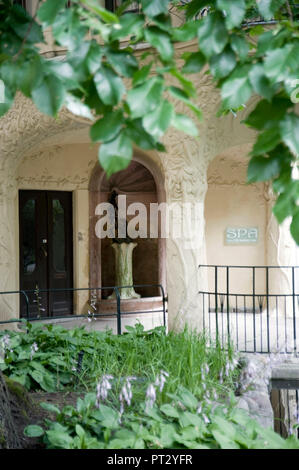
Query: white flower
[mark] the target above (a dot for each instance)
(33, 350)
(102, 388)
(206, 419)
(199, 409)
(150, 396)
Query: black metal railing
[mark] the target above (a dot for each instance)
(117, 314)
(254, 307)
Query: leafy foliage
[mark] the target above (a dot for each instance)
(176, 425)
(53, 364)
(93, 78)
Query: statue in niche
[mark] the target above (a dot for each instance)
(123, 252)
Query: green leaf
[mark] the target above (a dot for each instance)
(222, 64)
(140, 75)
(186, 32)
(194, 62)
(260, 82)
(268, 8)
(128, 25)
(187, 398)
(123, 62)
(136, 132)
(280, 62)
(266, 141)
(224, 441)
(108, 417)
(49, 95)
(286, 203)
(289, 129)
(262, 169)
(104, 14)
(59, 439)
(235, 11)
(212, 34)
(8, 101)
(77, 107)
(144, 98)
(50, 407)
(240, 46)
(295, 227)
(45, 380)
(108, 127)
(154, 8)
(116, 154)
(169, 410)
(158, 121)
(161, 41)
(49, 10)
(181, 95)
(33, 431)
(185, 124)
(31, 75)
(236, 90)
(109, 86)
(265, 115)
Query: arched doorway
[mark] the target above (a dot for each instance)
(142, 183)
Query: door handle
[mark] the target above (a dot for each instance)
(45, 253)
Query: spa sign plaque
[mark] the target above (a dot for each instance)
(241, 235)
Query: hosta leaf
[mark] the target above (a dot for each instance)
(33, 431)
(50, 407)
(169, 410)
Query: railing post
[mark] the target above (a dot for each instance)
(27, 304)
(227, 302)
(118, 311)
(164, 308)
(216, 302)
(253, 306)
(267, 298)
(294, 309)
